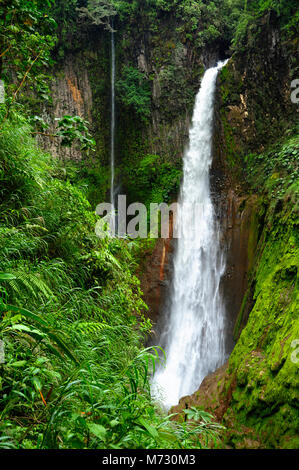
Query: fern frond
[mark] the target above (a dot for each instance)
(28, 283)
(91, 327)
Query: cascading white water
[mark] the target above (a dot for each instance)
(112, 127)
(193, 337)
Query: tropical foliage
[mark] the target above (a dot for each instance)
(72, 319)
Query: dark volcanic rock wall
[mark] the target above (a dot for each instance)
(72, 95)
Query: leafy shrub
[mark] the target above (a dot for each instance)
(155, 181)
(134, 91)
(276, 169)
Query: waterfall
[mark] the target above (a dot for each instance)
(193, 333)
(112, 127)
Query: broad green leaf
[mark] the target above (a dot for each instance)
(27, 329)
(18, 364)
(98, 430)
(37, 384)
(27, 314)
(151, 430)
(6, 276)
(45, 327)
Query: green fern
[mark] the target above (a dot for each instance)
(25, 283)
(91, 327)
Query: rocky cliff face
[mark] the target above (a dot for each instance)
(81, 86)
(72, 95)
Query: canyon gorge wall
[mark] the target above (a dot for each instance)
(254, 395)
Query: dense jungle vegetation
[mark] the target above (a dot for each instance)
(73, 320)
